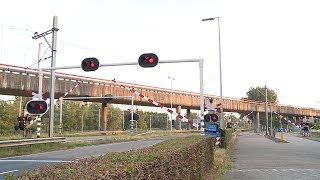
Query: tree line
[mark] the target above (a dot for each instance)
(80, 116)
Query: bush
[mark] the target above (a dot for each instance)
(225, 141)
(181, 158)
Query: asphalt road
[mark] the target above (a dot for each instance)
(257, 157)
(16, 165)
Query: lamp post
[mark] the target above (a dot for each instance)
(220, 69)
(171, 78)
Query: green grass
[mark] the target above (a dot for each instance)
(222, 161)
(37, 148)
(316, 134)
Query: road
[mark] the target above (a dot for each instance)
(16, 165)
(257, 157)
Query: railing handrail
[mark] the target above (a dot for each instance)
(8, 67)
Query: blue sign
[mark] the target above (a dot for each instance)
(281, 130)
(212, 127)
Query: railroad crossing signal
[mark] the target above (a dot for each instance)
(37, 107)
(90, 64)
(214, 117)
(211, 117)
(148, 60)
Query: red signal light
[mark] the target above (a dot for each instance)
(148, 60)
(214, 117)
(90, 64)
(36, 107)
(40, 107)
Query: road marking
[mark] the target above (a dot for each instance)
(277, 170)
(6, 172)
(32, 160)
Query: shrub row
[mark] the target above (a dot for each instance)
(225, 141)
(181, 158)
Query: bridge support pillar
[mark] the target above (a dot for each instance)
(178, 121)
(257, 123)
(104, 117)
(295, 120)
(311, 119)
(188, 117)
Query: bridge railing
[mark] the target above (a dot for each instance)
(229, 103)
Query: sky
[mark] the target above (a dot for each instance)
(263, 42)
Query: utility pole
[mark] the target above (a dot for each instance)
(99, 119)
(150, 121)
(39, 51)
(20, 106)
(53, 75)
(53, 47)
(122, 120)
(266, 94)
(271, 121)
(171, 78)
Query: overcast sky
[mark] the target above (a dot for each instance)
(263, 42)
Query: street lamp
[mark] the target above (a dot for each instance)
(220, 69)
(171, 78)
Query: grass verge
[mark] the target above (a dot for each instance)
(111, 137)
(37, 148)
(180, 158)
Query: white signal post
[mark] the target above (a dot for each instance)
(171, 78)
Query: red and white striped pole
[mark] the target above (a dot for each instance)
(183, 119)
(65, 94)
(287, 120)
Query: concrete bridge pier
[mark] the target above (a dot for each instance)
(311, 119)
(188, 117)
(257, 123)
(295, 120)
(178, 121)
(104, 117)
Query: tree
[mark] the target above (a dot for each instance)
(115, 118)
(158, 120)
(72, 116)
(143, 117)
(258, 94)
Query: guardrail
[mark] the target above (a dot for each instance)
(21, 142)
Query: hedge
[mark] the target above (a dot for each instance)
(225, 141)
(181, 158)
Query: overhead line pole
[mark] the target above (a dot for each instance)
(53, 47)
(266, 110)
(53, 75)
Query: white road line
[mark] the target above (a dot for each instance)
(6, 172)
(31, 160)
